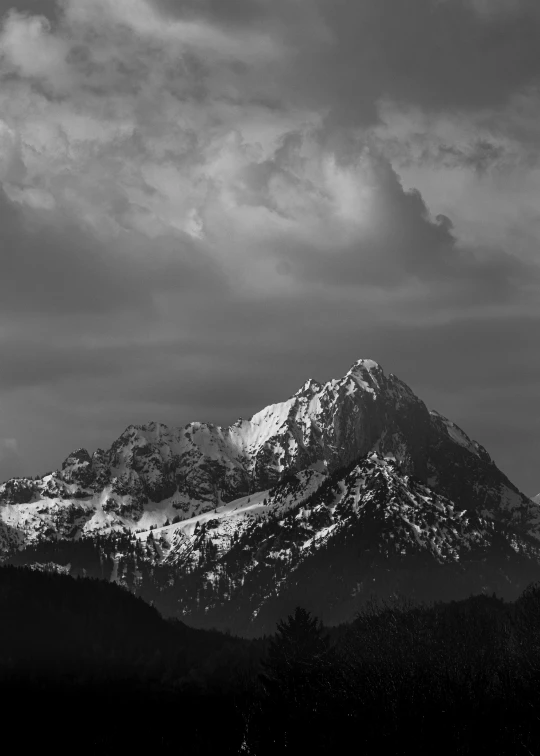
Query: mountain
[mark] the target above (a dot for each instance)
(255, 505)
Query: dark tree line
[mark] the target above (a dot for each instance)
(87, 666)
(456, 678)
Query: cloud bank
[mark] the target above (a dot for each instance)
(200, 201)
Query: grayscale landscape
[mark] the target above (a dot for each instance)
(270, 376)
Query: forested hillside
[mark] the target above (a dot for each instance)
(86, 665)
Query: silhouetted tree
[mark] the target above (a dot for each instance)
(298, 645)
(294, 677)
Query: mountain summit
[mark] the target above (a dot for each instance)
(166, 478)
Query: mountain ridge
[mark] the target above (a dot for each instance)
(326, 425)
(176, 480)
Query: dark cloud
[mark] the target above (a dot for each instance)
(237, 13)
(34, 363)
(51, 264)
(11, 463)
(479, 156)
(439, 55)
(401, 241)
(143, 323)
(55, 267)
(48, 8)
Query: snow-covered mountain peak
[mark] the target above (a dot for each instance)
(366, 374)
(364, 365)
(77, 457)
(310, 387)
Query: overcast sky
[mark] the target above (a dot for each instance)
(205, 202)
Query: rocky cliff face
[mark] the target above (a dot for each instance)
(166, 478)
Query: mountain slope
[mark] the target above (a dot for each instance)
(324, 541)
(328, 545)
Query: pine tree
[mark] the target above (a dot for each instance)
(298, 648)
(295, 679)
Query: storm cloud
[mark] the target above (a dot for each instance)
(204, 203)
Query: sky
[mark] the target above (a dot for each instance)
(203, 203)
